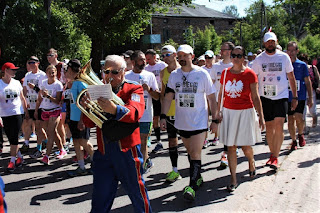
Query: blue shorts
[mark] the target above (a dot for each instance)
(64, 107)
(145, 127)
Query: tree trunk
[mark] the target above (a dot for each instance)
(96, 55)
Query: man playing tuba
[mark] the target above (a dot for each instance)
(118, 157)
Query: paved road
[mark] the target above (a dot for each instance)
(38, 188)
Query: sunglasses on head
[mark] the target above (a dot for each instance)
(166, 55)
(31, 62)
(236, 55)
(207, 57)
(115, 72)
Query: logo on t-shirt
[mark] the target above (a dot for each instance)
(234, 88)
(272, 67)
(10, 94)
(186, 87)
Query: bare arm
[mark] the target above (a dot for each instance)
(293, 86)
(24, 104)
(316, 75)
(165, 106)
(309, 90)
(257, 104)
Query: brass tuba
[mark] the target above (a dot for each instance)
(93, 111)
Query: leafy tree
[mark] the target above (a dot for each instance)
(171, 42)
(28, 32)
(231, 10)
(310, 45)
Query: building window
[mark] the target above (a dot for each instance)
(230, 22)
(212, 22)
(165, 20)
(166, 34)
(187, 21)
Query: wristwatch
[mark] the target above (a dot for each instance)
(296, 98)
(215, 121)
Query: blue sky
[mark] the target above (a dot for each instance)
(220, 5)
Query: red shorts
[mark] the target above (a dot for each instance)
(45, 115)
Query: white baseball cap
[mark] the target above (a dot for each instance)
(269, 36)
(185, 48)
(201, 58)
(168, 48)
(209, 53)
(250, 54)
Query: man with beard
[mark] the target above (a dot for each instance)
(191, 86)
(273, 67)
(151, 91)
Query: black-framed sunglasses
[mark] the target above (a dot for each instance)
(236, 55)
(114, 72)
(31, 62)
(207, 57)
(166, 55)
(50, 55)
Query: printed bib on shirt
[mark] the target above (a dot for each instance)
(298, 86)
(270, 90)
(186, 100)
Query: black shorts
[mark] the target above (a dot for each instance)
(274, 108)
(12, 125)
(188, 134)
(156, 107)
(39, 115)
(31, 114)
(299, 109)
(171, 130)
(76, 133)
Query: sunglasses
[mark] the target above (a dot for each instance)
(236, 55)
(114, 72)
(31, 62)
(207, 57)
(166, 55)
(50, 55)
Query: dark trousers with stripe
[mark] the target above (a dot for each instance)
(113, 167)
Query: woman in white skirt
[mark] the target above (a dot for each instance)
(239, 121)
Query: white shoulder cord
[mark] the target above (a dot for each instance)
(222, 92)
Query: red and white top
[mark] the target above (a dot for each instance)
(237, 92)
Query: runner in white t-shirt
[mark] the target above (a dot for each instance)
(151, 91)
(273, 67)
(48, 101)
(30, 90)
(155, 67)
(11, 102)
(192, 87)
(217, 68)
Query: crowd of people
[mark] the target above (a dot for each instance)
(234, 95)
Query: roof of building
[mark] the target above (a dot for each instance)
(195, 11)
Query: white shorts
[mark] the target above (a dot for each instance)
(240, 127)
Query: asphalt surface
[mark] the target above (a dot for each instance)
(39, 188)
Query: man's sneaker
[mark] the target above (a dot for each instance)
(274, 163)
(148, 165)
(36, 154)
(173, 176)
(189, 194)
(66, 147)
(157, 148)
(44, 143)
(302, 141)
(238, 152)
(224, 160)
(149, 142)
(24, 148)
(270, 160)
(62, 154)
(294, 146)
(33, 135)
(19, 162)
(199, 183)
(206, 143)
(215, 142)
(21, 136)
(45, 160)
(77, 172)
(11, 167)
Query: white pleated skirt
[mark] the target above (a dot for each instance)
(240, 127)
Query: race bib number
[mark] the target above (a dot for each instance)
(298, 86)
(270, 90)
(33, 98)
(186, 100)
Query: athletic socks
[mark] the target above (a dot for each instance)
(19, 155)
(157, 133)
(39, 147)
(195, 173)
(81, 164)
(173, 153)
(13, 159)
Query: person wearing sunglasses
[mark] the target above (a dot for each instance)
(240, 125)
(119, 157)
(12, 106)
(275, 71)
(31, 88)
(215, 74)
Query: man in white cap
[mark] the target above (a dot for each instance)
(250, 59)
(191, 86)
(274, 69)
(169, 55)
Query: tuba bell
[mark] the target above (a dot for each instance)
(94, 112)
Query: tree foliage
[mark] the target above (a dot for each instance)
(231, 10)
(310, 45)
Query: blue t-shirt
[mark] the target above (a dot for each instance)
(300, 70)
(77, 87)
